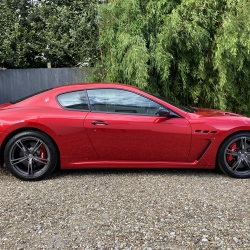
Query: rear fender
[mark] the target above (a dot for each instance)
(16, 128)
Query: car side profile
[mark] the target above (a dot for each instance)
(109, 125)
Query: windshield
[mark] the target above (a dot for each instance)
(184, 108)
(179, 106)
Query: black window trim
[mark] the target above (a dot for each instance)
(172, 113)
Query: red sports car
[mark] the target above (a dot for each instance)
(107, 125)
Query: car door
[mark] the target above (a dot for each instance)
(124, 125)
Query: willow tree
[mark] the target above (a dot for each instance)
(192, 51)
(232, 56)
(127, 34)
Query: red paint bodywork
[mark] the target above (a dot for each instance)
(131, 141)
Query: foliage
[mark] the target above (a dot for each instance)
(14, 30)
(128, 33)
(36, 32)
(195, 52)
(232, 55)
(192, 51)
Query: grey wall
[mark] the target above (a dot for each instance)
(18, 83)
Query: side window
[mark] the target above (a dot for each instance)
(74, 100)
(121, 101)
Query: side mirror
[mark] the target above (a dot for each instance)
(162, 112)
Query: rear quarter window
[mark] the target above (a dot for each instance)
(76, 100)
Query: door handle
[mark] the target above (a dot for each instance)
(99, 123)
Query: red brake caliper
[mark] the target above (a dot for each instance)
(233, 147)
(43, 154)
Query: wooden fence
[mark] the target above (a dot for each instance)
(18, 83)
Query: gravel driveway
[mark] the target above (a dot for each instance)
(125, 209)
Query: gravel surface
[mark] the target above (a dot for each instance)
(125, 209)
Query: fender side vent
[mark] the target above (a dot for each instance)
(204, 151)
(205, 131)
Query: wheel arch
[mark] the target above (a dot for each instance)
(13, 133)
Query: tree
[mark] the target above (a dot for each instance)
(61, 32)
(232, 55)
(127, 36)
(14, 29)
(192, 51)
(68, 32)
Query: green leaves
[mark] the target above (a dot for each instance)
(36, 32)
(123, 46)
(127, 39)
(232, 57)
(194, 51)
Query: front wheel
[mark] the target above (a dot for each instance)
(234, 156)
(30, 155)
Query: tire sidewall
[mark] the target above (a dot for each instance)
(49, 143)
(221, 160)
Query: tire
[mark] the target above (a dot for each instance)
(30, 155)
(234, 156)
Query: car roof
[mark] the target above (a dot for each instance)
(94, 85)
(39, 99)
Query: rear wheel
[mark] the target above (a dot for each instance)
(30, 155)
(234, 156)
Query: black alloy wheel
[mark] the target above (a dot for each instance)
(30, 155)
(234, 156)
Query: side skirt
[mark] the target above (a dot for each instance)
(130, 164)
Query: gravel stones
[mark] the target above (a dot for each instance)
(125, 209)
